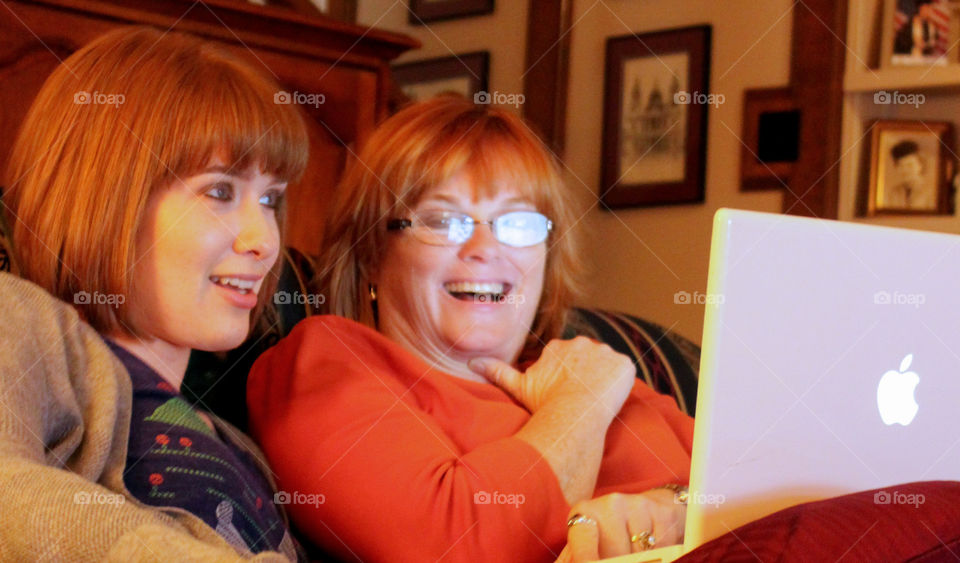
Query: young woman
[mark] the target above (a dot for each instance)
(145, 190)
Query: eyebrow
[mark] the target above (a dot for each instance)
(220, 170)
(444, 198)
(229, 171)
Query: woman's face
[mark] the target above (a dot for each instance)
(441, 300)
(203, 250)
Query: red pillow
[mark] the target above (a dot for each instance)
(914, 521)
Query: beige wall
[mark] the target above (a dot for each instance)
(637, 258)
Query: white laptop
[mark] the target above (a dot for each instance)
(830, 364)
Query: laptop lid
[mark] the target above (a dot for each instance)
(830, 364)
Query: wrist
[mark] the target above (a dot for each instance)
(681, 493)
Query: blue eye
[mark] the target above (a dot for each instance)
(222, 191)
(272, 199)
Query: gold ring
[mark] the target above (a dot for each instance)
(580, 519)
(645, 540)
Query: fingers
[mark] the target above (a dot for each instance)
(565, 556)
(583, 542)
(499, 373)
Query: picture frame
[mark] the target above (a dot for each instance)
(770, 138)
(656, 96)
(464, 74)
(919, 32)
(425, 11)
(912, 169)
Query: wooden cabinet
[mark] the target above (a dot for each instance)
(348, 64)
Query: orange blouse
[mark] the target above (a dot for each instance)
(383, 458)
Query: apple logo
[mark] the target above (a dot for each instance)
(895, 394)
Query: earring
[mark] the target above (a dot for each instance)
(373, 305)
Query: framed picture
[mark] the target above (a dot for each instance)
(919, 32)
(460, 74)
(771, 138)
(423, 11)
(911, 168)
(656, 95)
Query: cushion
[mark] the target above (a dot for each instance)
(911, 522)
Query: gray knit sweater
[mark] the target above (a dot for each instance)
(64, 422)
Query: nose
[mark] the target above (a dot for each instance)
(481, 246)
(258, 233)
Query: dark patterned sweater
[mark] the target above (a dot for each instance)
(175, 459)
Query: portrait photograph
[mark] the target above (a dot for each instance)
(911, 168)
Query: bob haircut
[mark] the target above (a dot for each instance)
(126, 115)
(422, 147)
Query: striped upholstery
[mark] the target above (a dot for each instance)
(668, 362)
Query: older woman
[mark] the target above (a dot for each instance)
(145, 192)
(438, 417)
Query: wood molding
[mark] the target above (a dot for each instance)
(816, 77)
(547, 69)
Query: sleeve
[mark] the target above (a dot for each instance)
(55, 441)
(370, 474)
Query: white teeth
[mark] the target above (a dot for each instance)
(474, 287)
(245, 285)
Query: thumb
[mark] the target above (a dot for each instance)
(499, 373)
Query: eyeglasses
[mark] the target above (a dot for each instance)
(446, 228)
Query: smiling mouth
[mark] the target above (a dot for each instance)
(242, 287)
(479, 292)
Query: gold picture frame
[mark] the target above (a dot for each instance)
(912, 168)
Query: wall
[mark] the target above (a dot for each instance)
(503, 33)
(642, 257)
(637, 259)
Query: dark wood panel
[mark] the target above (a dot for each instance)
(346, 64)
(547, 69)
(817, 81)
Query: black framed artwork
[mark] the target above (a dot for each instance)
(425, 11)
(464, 74)
(656, 97)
